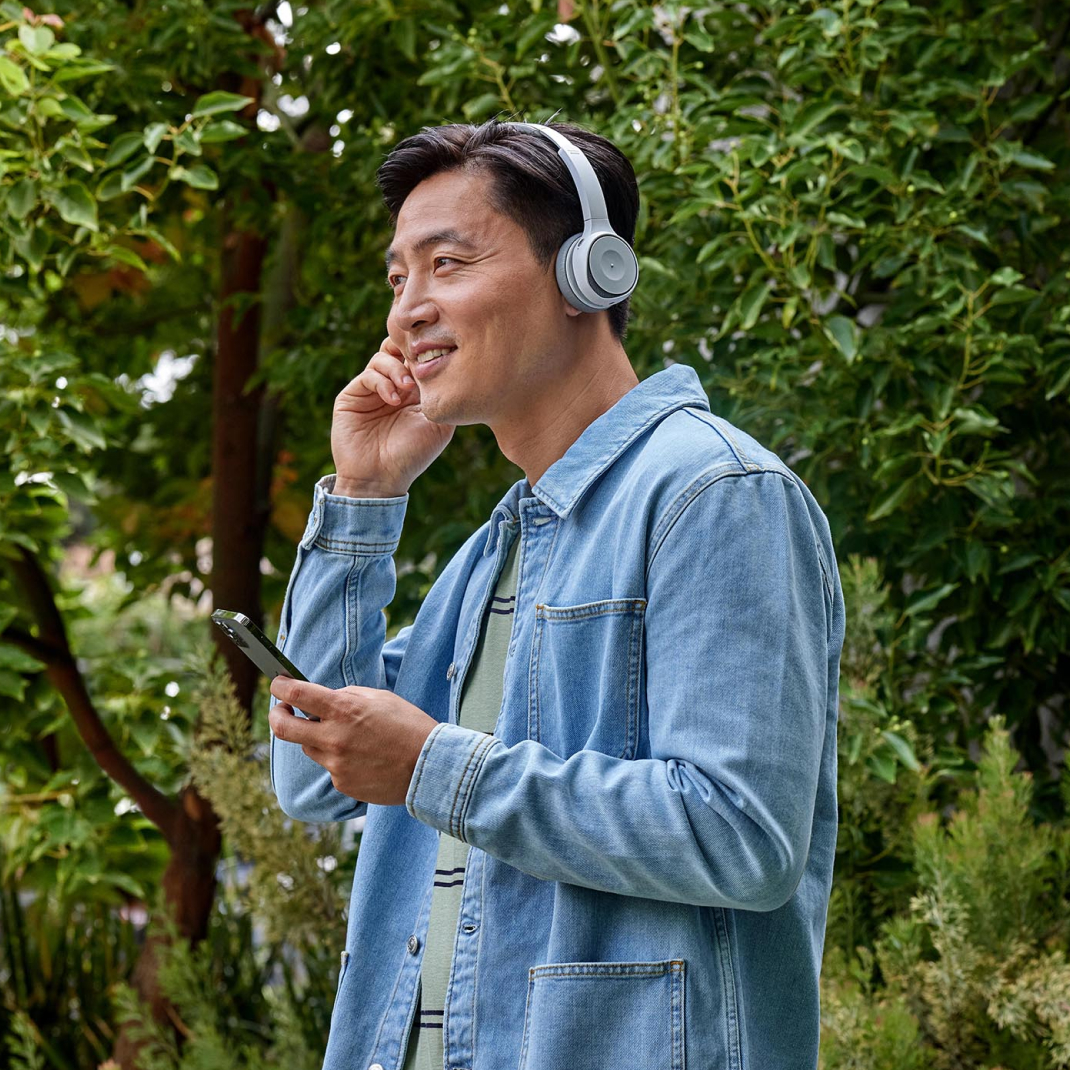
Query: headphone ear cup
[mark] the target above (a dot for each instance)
(564, 268)
(612, 267)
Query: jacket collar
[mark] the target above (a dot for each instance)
(603, 440)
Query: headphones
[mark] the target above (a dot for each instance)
(596, 268)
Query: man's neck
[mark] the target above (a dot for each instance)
(558, 415)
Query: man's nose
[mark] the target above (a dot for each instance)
(413, 308)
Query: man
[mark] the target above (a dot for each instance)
(599, 769)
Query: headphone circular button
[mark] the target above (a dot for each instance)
(612, 264)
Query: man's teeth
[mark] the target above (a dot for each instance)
(430, 354)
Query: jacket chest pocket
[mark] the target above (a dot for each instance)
(602, 1015)
(586, 666)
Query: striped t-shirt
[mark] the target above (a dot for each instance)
(481, 700)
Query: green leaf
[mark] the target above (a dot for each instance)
(132, 175)
(76, 205)
(124, 881)
(403, 33)
(883, 765)
(483, 105)
(903, 749)
(82, 429)
(750, 304)
(890, 500)
(813, 117)
(223, 130)
(219, 101)
(925, 601)
(126, 256)
(153, 135)
(123, 146)
(21, 198)
(16, 659)
(76, 154)
(12, 685)
(1006, 276)
(1032, 160)
(199, 176)
(72, 484)
(188, 141)
(111, 187)
(66, 50)
(844, 334)
(36, 39)
(13, 77)
(82, 68)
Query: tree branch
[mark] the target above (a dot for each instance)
(53, 649)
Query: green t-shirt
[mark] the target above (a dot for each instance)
(481, 700)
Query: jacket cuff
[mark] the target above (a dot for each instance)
(445, 776)
(360, 527)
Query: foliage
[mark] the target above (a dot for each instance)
(860, 215)
(58, 957)
(853, 224)
(229, 1015)
(301, 878)
(975, 971)
(293, 894)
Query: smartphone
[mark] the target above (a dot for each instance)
(257, 647)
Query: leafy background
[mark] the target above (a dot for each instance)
(854, 225)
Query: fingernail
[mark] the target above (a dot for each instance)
(394, 395)
(408, 380)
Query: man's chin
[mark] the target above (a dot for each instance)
(440, 410)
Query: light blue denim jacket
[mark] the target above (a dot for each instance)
(652, 825)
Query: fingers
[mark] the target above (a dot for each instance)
(389, 378)
(388, 346)
(290, 728)
(309, 697)
(384, 377)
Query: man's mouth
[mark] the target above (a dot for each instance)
(432, 354)
(431, 360)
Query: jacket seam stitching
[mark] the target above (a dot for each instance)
(714, 425)
(686, 497)
(421, 762)
(464, 787)
(352, 603)
(611, 455)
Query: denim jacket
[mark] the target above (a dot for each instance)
(652, 825)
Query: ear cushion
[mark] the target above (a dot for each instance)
(563, 269)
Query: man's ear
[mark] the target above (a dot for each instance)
(570, 311)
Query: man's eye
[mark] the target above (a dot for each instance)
(393, 280)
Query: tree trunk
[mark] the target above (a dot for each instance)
(238, 526)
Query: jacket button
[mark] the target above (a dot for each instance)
(376, 1066)
(413, 945)
(450, 671)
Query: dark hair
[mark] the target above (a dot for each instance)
(530, 182)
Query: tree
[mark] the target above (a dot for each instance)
(852, 224)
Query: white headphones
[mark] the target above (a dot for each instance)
(596, 268)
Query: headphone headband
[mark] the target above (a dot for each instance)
(596, 269)
(586, 181)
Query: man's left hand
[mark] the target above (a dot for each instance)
(367, 739)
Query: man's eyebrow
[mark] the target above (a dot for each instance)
(449, 235)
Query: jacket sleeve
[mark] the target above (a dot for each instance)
(333, 628)
(737, 629)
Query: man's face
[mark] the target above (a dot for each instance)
(477, 287)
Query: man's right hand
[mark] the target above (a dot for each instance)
(381, 445)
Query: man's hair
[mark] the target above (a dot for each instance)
(530, 183)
